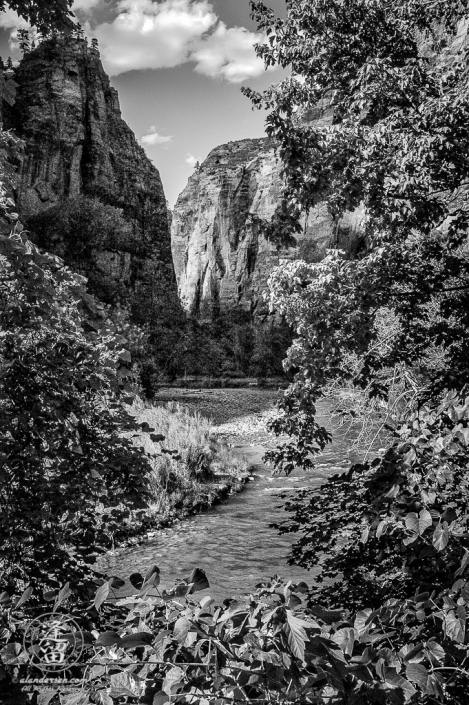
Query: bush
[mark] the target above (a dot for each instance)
(65, 465)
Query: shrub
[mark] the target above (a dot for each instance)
(64, 463)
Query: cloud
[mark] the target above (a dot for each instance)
(154, 35)
(229, 53)
(191, 160)
(154, 138)
(9, 19)
(151, 34)
(85, 5)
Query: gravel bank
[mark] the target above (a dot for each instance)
(238, 415)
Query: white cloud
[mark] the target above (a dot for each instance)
(191, 160)
(229, 53)
(85, 5)
(153, 137)
(153, 35)
(9, 19)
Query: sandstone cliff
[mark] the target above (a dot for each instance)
(220, 256)
(76, 144)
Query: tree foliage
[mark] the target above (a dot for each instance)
(164, 645)
(373, 119)
(42, 13)
(77, 225)
(66, 471)
(393, 79)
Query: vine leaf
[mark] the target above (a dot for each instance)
(173, 680)
(417, 673)
(101, 594)
(124, 684)
(463, 565)
(455, 626)
(418, 524)
(441, 537)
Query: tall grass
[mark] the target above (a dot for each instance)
(191, 463)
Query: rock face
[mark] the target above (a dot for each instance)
(220, 256)
(76, 143)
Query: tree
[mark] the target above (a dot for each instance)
(43, 13)
(393, 82)
(23, 36)
(68, 476)
(392, 77)
(77, 225)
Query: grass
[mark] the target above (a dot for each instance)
(190, 468)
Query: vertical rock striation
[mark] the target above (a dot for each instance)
(220, 256)
(77, 144)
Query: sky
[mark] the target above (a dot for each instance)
(178, 66)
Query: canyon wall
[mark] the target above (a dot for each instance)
(76, 144)
(220, 256)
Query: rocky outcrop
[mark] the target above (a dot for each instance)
(220, 255)
(76, 144)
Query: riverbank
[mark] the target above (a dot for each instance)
(234, 420)
(233, 541)
(238, 416)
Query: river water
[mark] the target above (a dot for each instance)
(233, 542)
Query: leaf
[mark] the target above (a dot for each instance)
(181, 629)
(436, 651)
(435, 685)
(161, 699)
(365, 534)
(418, 524)
(45, 697)
(361, 624)
(132, 641)
(125, 356)
(13, 655)
(345, 638)
(101, 595)
(441, 536)
(173, 680)
(152, 577)
(199, 580)
(124, 684)
(417, 673)
(463, 565)
(381, 528)
(136, 580)
(454, 627)
(108, 639)
(24, 597)
(75, 699)
(206, 601)
(63, 594)
(396, 681)
(116, 582)
(296, 634)
(104, 698)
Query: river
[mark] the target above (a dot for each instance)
(232, 541)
